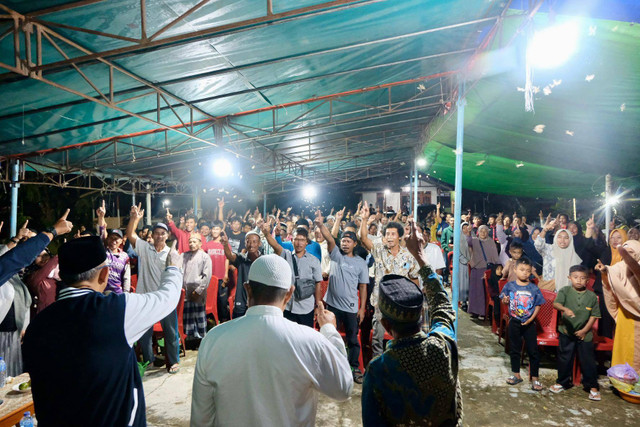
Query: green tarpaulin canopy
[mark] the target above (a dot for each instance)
(586, 121)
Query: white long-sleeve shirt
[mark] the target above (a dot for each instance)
(264, 370)
(143, 310)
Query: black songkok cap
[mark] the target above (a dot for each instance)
(400, 299)
(82, 254)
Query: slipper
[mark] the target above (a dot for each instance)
(174, 369)
(595, 396)
(556, 388)
(513, 380)
(536, 386)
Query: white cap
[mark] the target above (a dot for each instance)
(271, 270)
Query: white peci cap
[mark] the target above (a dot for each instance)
(271, 270)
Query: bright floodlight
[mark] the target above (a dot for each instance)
(614, 200)
(387, 191)
(422, 162)
(553, 46)
(222, 167)
(166, 202)
(309, 192)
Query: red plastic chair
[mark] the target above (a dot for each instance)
(504, 313)
(488, 300)
(157, 328)
(324, 286)
(212, 298)
(547, 320)
(134, 282)
(590, 283)
(450, 263)
(233, 281)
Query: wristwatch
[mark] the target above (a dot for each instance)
(52, 230)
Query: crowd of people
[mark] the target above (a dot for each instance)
(298, 299)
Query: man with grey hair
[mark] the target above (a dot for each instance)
(85, 340)
(282, 366)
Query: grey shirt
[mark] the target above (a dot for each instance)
(345, 276)
(308, 268)
(197, 274)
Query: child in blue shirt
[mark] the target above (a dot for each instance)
(524, 299)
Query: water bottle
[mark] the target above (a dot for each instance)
(26, 421)
(3, 372)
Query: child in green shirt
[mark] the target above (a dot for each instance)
(580, 309)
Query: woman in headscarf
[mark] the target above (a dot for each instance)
(621, 286)
(483, 252)
(557, 258)
(465, 257)
(607, 255)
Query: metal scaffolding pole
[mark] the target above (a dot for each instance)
(15, 173)
(607, 205)
(415, 190)
(264, 206)
(455, 280)
(148, 204)
(195, 200)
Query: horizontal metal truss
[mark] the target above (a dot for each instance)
(376, 128)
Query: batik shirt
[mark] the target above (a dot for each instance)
(415, 381)
(403, 264)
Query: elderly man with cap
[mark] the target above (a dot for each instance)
(119, 270)
(264, 370)
(197, 274)
(348, 275)
(415, 381)
(242, 261)
(79, 352)
(151, 261)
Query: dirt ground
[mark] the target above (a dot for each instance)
(488, 400)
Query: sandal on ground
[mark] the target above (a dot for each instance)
(595, 396)
(513, 380)
(174, 369)
(536, 386)
(556, 388)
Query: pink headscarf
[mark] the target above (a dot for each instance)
(624, 285)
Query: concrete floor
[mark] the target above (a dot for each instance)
(488, 400)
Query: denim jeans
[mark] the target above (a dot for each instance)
(171, 340)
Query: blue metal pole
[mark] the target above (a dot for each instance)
(15, 172)
(455, 280)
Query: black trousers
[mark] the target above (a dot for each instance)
(586, 355)
(349, 321)
(301, 319)
(517, 332)
(223, 302)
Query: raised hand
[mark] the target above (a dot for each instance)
(221, 203)
(340, 214)
(101, 211)
(1, 225)
(600, 267)
(591, 223)
(223, 238)
(324, 316)
(365, 213)
(415, 243)
(63, 226)
(168, 216)
(174, 259)
(24, 232)
(137, 212)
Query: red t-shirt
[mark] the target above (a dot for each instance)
(216, 252)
